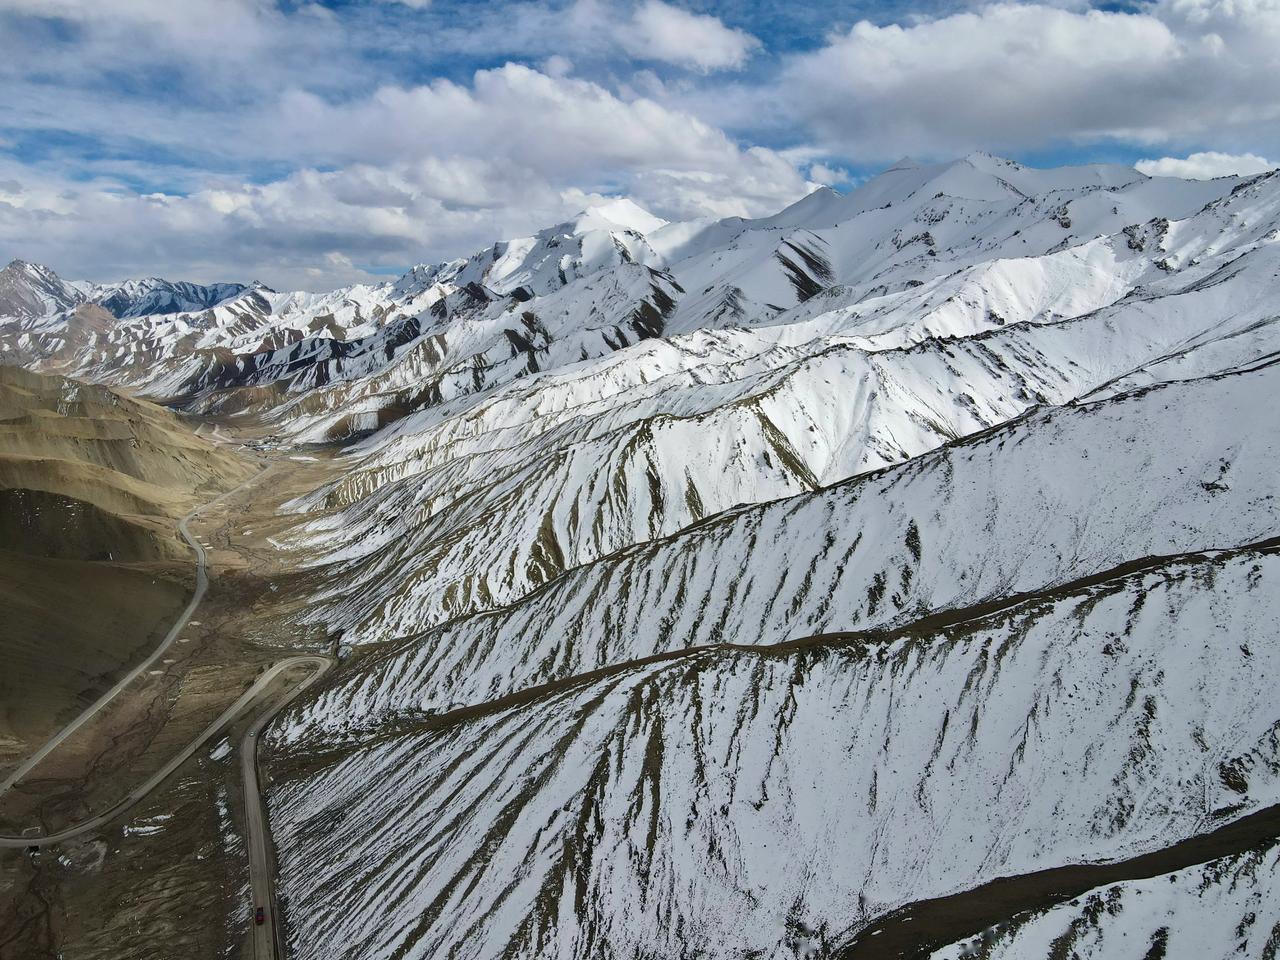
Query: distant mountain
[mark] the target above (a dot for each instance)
(29, 291)
(184, 340)
(140, 298)
(616, 275)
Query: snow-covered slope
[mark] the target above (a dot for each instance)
(185, 341)
(502, 462)
(740, 803)
(29, 291)
(523, 431)
(140, 298)
(960, 247)
(536, 481)
(1055, 496)
(613, 738)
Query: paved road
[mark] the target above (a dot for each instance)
(258, 840)
(261, 872)
(202, 584)
(321, 664)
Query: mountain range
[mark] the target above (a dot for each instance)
(743, 588)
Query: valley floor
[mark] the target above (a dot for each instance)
(167, 876)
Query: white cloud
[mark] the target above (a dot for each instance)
(179, 16)
(1019, 76)
(420, 173)
(562, 130)
(281, 232)
(383, 174)
(1206, 165)
(660, 31)
(557, 66)
(827, 175)
(190, 29)
(188, 62)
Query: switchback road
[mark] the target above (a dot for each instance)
(202, 584)
(257, 838)
(321, 664)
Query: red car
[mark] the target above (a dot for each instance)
(260, 917)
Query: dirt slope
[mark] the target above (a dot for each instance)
(92, 569)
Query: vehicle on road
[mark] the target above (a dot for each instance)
(260, 917)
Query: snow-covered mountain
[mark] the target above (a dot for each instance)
(30, 291)
(915, 254)
(475, 500)
(733, 802)
(741, 588)
(140, 298)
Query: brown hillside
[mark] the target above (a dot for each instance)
(92, 568)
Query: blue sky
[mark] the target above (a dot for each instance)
(310, 144)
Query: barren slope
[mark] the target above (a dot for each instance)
(91, 486)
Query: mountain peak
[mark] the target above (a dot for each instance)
(814, 207)
(617, 213)
(17, 265)
(31, 291)
(987, 161)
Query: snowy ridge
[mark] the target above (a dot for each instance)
(1058, 495)
(773, 803)
(140, 298)
(491, 494)
(524, 507)
(179, 340)
(1220, 910)
(29, 291)
(908, 226)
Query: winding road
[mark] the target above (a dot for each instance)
(265, 936)
(202, 584)
(227, 716)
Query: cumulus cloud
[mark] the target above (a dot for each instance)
(418, 173)
(257, 138)
(1018, 76)
(605, 30)
(530, 127)
(560, 126)
(1206, 165)
(827, 175)
(660, 31)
